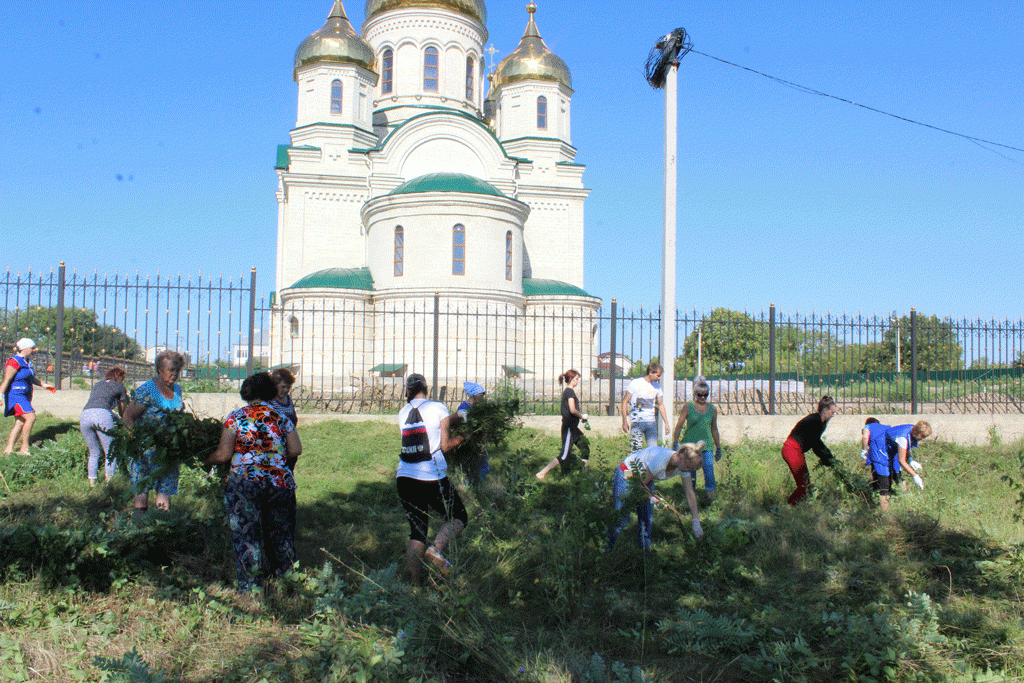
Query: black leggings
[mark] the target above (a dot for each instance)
(418, 496)
(570, 437)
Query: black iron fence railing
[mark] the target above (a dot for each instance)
(350, 350)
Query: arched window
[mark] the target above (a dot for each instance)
(542, 112)
(508, 255)
(399, 251)
(430, 69)
(459, 250)
(387, 77)
(469, 78)
(336, 97)
(293, 324)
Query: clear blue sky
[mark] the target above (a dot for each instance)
(142, 136)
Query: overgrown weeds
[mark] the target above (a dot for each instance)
(829, 590)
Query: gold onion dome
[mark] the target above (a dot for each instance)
(337, 41)
(471, 8)
(532, 60)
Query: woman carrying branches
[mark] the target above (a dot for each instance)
(422, 478)
(259, 493)
(151, 403)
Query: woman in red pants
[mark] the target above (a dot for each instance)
(806, 436)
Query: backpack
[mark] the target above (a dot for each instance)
(415, 444)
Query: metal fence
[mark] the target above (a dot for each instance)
(350, 354)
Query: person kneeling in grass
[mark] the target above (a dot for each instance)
(655, 463)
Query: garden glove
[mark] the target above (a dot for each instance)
(919, 481)
(864, 454)
(915, 465)
(718, 453)
(697, 530)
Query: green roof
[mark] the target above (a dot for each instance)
(338, 278)
(447, 182)
(282, 155)
(539, 287)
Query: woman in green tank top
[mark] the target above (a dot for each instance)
(700, 420)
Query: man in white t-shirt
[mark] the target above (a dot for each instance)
(640, 402)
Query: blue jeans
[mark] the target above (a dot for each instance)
(644, 512)
(640, 432)
(709, 472)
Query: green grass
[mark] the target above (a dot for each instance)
(829, 590)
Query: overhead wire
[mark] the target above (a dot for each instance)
(981, 142)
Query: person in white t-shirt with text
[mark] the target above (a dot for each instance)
(640, 402)
(422, 478)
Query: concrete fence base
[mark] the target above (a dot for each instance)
(967, 430)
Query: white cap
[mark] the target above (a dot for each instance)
(24, 343)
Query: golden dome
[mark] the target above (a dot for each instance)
(472, 8)
(532, 59)
(337, 41)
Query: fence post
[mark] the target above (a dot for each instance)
(437, 337)
(913, 361)
(612, 365)
(252, 319)
(771, 359)
(58, 374)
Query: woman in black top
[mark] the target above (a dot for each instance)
(806, 436)
(571, 433)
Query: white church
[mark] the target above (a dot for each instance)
(421, 199)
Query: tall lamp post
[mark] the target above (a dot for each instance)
(661, 70)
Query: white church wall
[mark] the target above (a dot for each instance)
(441, 154)
(412, 29)
(553, 237)
(477, 335)
(322, 230)
(560, 333)
(326, 336)
(439, 141)
(517, 110)
(315, 92)
(428, 220)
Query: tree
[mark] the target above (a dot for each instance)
(800, 350)
(938, 346)
(83, 333)
(728, 340)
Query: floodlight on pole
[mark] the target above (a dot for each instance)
(661, 70)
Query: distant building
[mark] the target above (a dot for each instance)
(153, 351)
(260, 350)
(406, 177)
